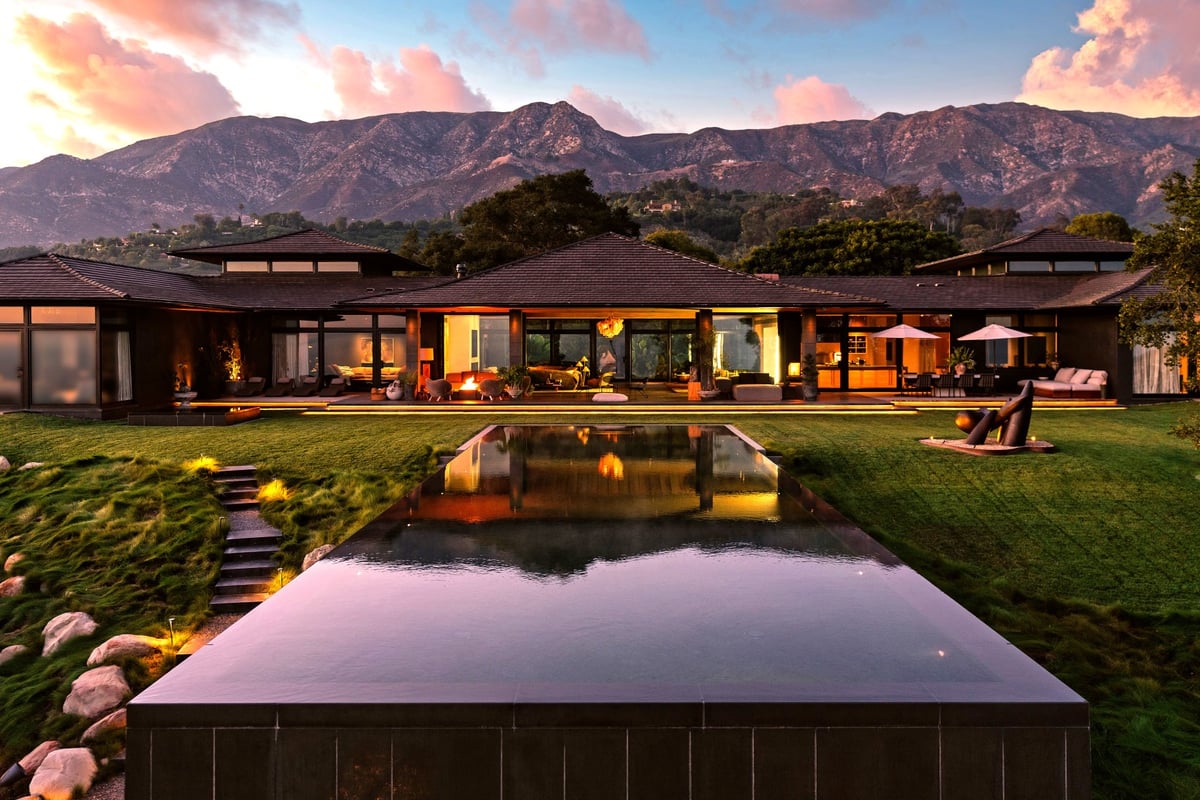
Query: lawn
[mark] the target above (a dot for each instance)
(1089, 558)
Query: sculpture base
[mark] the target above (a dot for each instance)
(990, 448)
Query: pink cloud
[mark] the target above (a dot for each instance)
(421, 82)
(1140, 60)
(783, 10)
(534, 27)
(812, 100)
(205, 27)
(120, 88)
(609, 113)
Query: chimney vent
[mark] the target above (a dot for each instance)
(460, 271)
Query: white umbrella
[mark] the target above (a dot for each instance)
(904, 332)
(993, 332)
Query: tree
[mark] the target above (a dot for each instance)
(1170, 319)
(851, 247)
(540, 214)
(1104, 225)
(680, 242)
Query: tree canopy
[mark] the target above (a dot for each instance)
(1104, 225)
(680, 242)
(1170, 319)
(852, 247)
(540, 214)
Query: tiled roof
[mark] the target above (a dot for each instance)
(1043, 243)
(1109, 288)
(306, 292)
(308, 243)
(991, 292)
(58, 278)
(611, 270)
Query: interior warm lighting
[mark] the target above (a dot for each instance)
(425, 354)
(469, 384)
(611, 467)
(793, 369)
(610, 327)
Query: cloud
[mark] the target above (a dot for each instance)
(609, 113)
(792, 10)
(536, 27)
(421, 82)
(1140, 60)
(204, 27)
(812, 100)
(116, 90)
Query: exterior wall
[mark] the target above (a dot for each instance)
(1089, 341)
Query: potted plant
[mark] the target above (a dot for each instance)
(961, 359)
(230, 353)
(809, 376)
(513, 377)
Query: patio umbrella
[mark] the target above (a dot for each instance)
(902, 332)
(993, 332)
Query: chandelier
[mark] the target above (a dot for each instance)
(610, 327)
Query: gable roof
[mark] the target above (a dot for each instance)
(611, 270)
(54, 278)
(306, 244)
(259, 292)
(1046, 243)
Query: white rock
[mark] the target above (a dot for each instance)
(125, 644)
(64, 628)
(63, 773)
(12, 561)
(113, 722)
(11, 652)
(315, 556)
(11, 587)
(30, 465)
(5, 466)
(97, 692)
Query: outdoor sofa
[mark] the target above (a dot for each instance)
(1070, 382)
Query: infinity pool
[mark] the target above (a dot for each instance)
(609, 611)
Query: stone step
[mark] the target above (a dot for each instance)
(235, 471)
(248, 585)
(239, 505)
(249, 552)
(250, 567)
(254, 536)
(236, 603)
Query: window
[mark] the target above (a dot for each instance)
(64, 367)
(62, 315)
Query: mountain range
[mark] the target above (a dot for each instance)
(1047, 164)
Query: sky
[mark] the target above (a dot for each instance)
(83, 77)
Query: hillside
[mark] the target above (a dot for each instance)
(422, 165)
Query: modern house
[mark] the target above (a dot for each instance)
(96, 339)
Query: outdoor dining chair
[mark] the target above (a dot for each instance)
(924, 384)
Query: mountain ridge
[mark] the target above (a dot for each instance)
(424, 164)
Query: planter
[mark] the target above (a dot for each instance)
(394, 391)
(234, 387)
(809, 390)
(378, 394)
(515, 392)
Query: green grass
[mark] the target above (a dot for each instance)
(1088, 559)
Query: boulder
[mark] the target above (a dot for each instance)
(63, 773)
(64, 628)
(29, 764)
(11, 652)
(113, 722)
(12, 561)
(11, 587)
(125, 644)
(97, 692)
(5, 466)
(315, 556)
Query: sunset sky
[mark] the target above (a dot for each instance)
(87, 76)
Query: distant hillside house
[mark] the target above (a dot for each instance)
(666, 206)
(90, 338)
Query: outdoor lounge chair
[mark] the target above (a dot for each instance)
(308, 386)
(336, 386)
(252, 386)
(491, 389)
(282, 388)
(439, 389)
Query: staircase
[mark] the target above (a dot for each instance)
(248, 570)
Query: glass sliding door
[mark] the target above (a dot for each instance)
(10, 369)
(64, 367)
